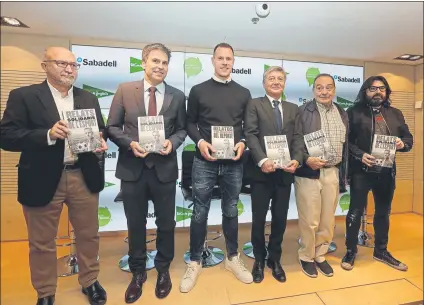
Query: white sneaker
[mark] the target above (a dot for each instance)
(237, 267)
(190, 276)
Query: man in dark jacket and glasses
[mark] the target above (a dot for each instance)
(372, 116)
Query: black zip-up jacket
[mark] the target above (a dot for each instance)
(362, 128)
(311, 122)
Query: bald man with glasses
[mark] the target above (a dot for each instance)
(50, 175)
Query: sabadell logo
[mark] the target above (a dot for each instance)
(97, 63)
(344, 79)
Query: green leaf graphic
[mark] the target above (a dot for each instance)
(240, 207)
(99, 93)
(192, 66)
(344, 103)
(107, 184)
(311, 73)
(183, 213)
(135, 65)
(190, 147)
(344, 202)
(104, 216)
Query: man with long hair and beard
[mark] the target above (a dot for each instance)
(371, 115)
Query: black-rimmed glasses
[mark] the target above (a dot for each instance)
(65, 64)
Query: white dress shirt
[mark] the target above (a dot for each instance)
(160, 95)
(65, 103)
(281, 111)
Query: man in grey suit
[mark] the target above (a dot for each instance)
(271, 116)
(146, 175)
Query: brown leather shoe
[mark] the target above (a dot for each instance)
(163, 285)
(135, 288)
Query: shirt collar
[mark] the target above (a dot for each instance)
(55, 91)
(159, 87)
(324, 107)
(222, 81)
(271, 99)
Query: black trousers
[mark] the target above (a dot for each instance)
(382, 186)
(262, 193)
(136, 195)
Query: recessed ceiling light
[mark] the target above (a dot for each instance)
(14, 22)
(409, 57)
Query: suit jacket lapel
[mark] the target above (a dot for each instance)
(139, 97)
(266, 104)
(166, 101)
(46, 98)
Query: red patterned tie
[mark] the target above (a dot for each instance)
(152, 102)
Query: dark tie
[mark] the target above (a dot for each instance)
(278, 118)
(152, 102)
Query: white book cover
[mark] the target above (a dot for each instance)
(384, 150)
(84, 134)
(223, 142)
(277, 150)
(318, 145)
(151, 133)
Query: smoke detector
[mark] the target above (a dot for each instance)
(255, 20)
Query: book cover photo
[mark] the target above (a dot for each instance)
(84, 135)
(223, 142)
(151, 133)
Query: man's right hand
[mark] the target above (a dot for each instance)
(268, 166)
(138, 151)
(315, 163)
(59, 131)
(204, 148)
(368, 160)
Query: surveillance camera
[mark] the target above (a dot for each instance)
(262, 10)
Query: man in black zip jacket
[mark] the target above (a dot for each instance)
(373, 115)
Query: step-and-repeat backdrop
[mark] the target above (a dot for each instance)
(104, 68)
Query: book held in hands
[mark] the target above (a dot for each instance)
(277, 150)
(223, 142)
(318, 145)
(151, 133)
(384, 150)
(84, 135)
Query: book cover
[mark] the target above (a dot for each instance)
(277, 150)
(384, 150)
(84, 134)
(318, 145)
(223, 142)
(151, 133)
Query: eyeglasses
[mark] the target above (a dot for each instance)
(273, 79)
(65, 64)
(374, 88)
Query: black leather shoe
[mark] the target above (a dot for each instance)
(277, 271)
(258, 271)
(95, 293)
(135, 288)
(163, 285)
(46, 301)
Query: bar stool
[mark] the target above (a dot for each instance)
(67, 265)
(150, 256)
(248, 247)
(365, 239)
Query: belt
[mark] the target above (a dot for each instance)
(70, 166)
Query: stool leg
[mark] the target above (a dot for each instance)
(68, 265)
(365, 239)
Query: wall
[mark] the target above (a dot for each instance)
(419, 152)
(24, 52)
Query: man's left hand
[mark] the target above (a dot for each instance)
(167, 148)
(239, 149)
(291, 166)
(104, 145)
(399, 144)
